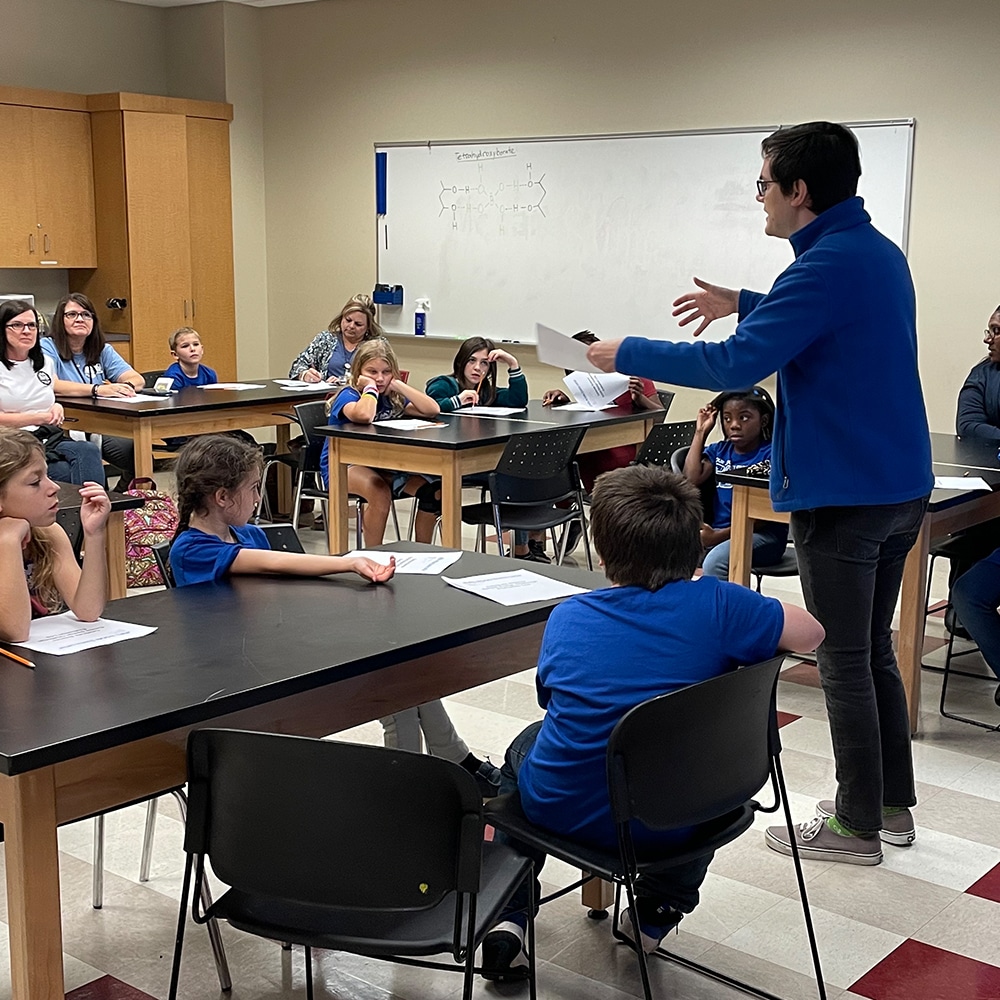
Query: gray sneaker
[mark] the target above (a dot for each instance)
(817, 841)
(897, 829)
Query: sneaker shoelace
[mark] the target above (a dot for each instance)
(811, 828)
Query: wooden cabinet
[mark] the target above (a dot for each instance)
(164, 227)
(46, 188)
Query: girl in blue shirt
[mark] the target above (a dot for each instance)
(218, 486)
(376, 392)
(747, 418)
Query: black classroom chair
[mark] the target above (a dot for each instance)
(695, 757)
(344, 847)
(535, 473)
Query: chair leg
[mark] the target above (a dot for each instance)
(395, 519)
(214, 934)
(532, 981)
(300, 483)
(98, 883)
(946, 673)
(359, 524)
(175, 967)
(147, 841)
(309, 974)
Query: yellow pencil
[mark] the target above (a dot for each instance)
(16, 658)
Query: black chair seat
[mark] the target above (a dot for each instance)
(520, 518)
(378, 932)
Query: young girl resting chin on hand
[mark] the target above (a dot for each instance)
(218, 485)
(376, 392)
(39, 574)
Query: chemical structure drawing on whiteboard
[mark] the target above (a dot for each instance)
(469, 201)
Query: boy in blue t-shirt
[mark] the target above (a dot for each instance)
(187, 352)
(654, 630)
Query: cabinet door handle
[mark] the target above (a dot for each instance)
(31, 242)
(46, 243)
(193, 313)
(185, 308)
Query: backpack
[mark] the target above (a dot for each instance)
(145, 527)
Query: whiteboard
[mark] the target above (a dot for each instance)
(594, 232)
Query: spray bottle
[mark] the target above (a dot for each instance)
(420, 317)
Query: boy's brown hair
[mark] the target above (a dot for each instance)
(646, 524)
(180, 332)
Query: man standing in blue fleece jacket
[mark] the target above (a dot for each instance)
(837, 326)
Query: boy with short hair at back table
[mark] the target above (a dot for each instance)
(187, 351)
(652, 631)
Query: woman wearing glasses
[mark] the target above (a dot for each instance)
(979, 399)
(27, 399)
(86, 365)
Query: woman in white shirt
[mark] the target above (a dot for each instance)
(27, 398)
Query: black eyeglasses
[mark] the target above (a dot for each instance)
(74, 316)
(17, 326)
(763, 185)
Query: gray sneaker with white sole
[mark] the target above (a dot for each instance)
(897, 828)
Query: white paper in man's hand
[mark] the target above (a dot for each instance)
(596, 391)
(561, 351)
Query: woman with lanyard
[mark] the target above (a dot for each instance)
(328, 356)
(86, 365)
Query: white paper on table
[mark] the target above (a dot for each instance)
(305, 386)
(65, 633)
(423, 563)
(408, 424)
(960, 483)
(487, 411)
(597, 389)
(582, 407)
(234, 385)
(520, 586)
(137, 398)
(296, 383)
(561, 351)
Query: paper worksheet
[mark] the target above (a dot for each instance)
(488, 411)
(423, 563)
(561, 351)
(520, 586)
(296, 383)
(960, 483)
(234, 385)
(409, 424)
(596, 390)
(65, 633)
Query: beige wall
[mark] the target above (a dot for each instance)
(343, 74)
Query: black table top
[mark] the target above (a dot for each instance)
(226, 647)
(951, 456)
(69, 499)
(194, 398)
(459, 432)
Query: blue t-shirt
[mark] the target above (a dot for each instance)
(383, 411)
(109, 368)
(205, 376)
(639, 644)
(197, 557)
(339, 360)
(725, 458)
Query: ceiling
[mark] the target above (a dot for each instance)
(188, 3)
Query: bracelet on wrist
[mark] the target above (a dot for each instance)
(369, 390)
(93, 391)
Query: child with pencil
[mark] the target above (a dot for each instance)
(39, 574)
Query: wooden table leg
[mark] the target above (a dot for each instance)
(912, 612)
(451, 507)
(337, 505)
(142, 441)
(597, 894)
(741, 539)
(33, 906)
(114, 553)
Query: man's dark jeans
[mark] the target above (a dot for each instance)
(851, 563)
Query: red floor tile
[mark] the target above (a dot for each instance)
(916, 971)
(107, 988)
(785, 717)
(988, 887)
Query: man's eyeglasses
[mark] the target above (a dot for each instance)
(17, 326)
(763, 185)
(991, 333)
(74, 316)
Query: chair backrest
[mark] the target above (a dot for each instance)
(666, 398)
(692, 755)
(329, 823)
(69, 519)
(310, 416)
(663, 440)
(152, 376)
(161, 554)
(537, 467)
(282, 537)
